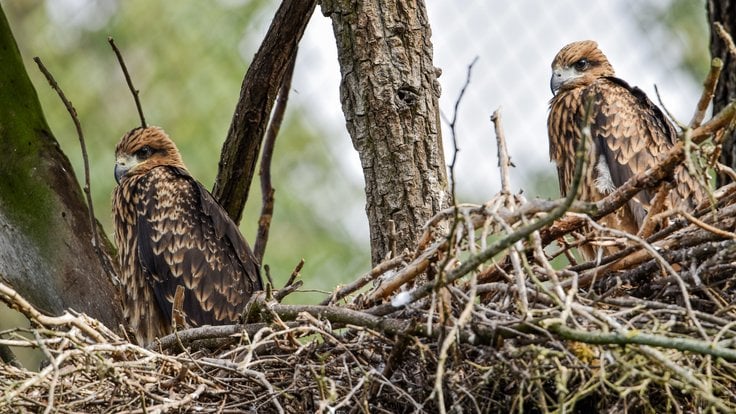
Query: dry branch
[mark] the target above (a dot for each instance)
(257, 96)
(104, 260)
(267, 190)
(135, 92)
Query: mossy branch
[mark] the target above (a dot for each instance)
(642, 338)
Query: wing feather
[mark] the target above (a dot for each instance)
(630, 132)
(185, 238)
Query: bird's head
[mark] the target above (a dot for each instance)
(578, 64)
(142, 149)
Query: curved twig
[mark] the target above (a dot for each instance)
(128, 80)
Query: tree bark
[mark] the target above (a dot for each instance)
(46, 250)
(389, 93)
(258, 92)
(724, 12)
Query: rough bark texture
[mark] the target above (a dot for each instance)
(257, 95)
(46, 250)
(724, 12)
(389, 93)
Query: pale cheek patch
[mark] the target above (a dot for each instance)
(603, 181)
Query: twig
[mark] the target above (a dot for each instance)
(449, 340)
(705, 226)
(666, 110)
(709, 88)
(377, 271)
(171, 405)
(269, 142)
(504, 161)
(688, 377)
(16, 301)
(55, 365)
(451, 235)
(104, 261)
(453, 132)
(664, 264)
(128, 80)
(295, 273)
(726, 37)
(269, 279)
(641, 338)
(280, 294)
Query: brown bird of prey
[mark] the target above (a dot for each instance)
(171, 232)
(629, 134)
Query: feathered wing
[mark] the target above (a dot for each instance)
(186, 238)
(630, 132)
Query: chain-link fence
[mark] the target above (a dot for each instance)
(647, 42)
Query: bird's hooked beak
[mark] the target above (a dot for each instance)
(122, 166)
(554, 83)
(560, 76)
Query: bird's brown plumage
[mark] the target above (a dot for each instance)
(629, 134)
(170, 231)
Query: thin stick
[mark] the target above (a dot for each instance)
(377, 271)
(643, 338)
(267, 190)
(132, 88)
(452, 123)
(85, 157)
(456, 218)
(17, 302)
(709, 89)
(504, 161)
(295, 273)
(723, 33)
(705, 226)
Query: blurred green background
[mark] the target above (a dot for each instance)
(188, 60)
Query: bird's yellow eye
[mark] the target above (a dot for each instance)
(144, 152)
(581, 65)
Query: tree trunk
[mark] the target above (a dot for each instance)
(724, 12)
(46, 250)
(389, 93)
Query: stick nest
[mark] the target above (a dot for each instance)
(476, 318)
(513, 333)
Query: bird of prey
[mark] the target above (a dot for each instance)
(629, 134)
(171, 232)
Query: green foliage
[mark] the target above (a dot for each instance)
(683, 21)
(188, 60)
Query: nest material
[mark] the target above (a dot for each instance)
(476, 319)
(515, 334)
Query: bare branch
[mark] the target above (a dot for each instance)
(129, 81)
(85, 158)
(709, 88)
(267, 191)
(641, 338)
